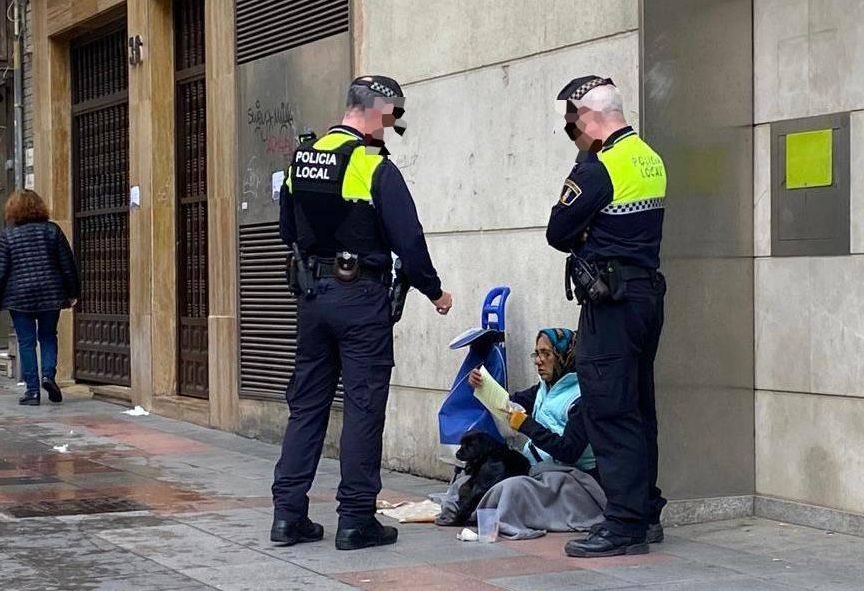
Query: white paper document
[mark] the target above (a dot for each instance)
(278, 179)
(492, 395)
(135, 197)
(495, 398)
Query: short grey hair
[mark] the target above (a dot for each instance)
(604, 99)
(360, 97)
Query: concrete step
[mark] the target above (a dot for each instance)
(121, 395)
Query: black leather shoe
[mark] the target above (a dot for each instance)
(584, 535)
(54, 393)
(29, 399)
(284, 533)
(605, 543)
(655, 534)
(365, 536)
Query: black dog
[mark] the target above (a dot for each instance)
(487, 462)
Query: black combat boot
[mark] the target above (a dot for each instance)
(54, 393)
(284, 533)
(655, 533)
(29, 399)
(603, 542)
(366, 535)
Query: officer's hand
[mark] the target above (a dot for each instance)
(443, 304)
(475, 378)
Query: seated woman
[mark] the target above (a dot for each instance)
(549, 404)
(562, 492)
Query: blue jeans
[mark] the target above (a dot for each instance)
(30, 326)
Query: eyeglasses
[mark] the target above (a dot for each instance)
(544, 355)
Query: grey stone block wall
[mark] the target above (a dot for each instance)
(809, 373)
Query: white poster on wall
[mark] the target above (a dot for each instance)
(278, 178)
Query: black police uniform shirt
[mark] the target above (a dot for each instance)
(398, 220)
(632, 239)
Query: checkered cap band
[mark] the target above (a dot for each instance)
(634, 207)
(381, 89)
(589, 86)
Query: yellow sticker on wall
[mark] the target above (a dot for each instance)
(809, 159)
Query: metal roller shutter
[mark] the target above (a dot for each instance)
(265, 27)
(268, 314)
(269, 29)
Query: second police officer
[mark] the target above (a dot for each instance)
(344, 208)
(610, 218)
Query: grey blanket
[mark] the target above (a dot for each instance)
(553, 498)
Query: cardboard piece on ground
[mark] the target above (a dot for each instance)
(418, 512)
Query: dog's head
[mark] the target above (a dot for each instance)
(476, 446)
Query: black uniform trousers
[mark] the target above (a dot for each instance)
(347, 327)
(617, 344)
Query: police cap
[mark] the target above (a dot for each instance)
(386, 87)
(390, 90)
(579, 87)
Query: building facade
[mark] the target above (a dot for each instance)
(160, 128)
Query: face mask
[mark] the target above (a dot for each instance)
(567, 109)
(575, 134)
(399, 125)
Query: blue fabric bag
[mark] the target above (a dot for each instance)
(461, 412)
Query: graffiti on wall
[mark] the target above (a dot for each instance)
(251, 186)
(273, 126)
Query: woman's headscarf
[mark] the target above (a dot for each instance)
(564, 345)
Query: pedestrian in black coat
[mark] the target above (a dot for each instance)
(38, 278)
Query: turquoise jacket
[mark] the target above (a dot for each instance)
(551, 410)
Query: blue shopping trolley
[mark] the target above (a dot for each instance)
(461, 412)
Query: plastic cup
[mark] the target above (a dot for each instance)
(487, 525)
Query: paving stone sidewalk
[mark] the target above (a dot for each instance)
(190, 510)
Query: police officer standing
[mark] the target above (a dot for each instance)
(610, 218)
(344, 208)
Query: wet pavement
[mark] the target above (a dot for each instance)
(147, 503)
